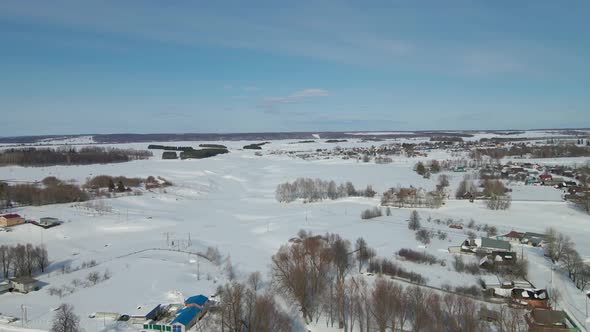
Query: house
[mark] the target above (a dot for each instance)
(545, 176)
(198, 301)
(11, 219)
(185, 319)
(533, 239)
(512, 237)
(547, 321)
(486, 246)
(535, 298)
(24, 284)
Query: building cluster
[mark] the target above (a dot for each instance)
(519, 293)
(176, 317)
(13, 219)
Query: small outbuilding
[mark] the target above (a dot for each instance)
(11, 219)
(24, 284)
(47, 222)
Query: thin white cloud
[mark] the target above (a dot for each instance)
(250, 88)
(273, 103)
(482, 63)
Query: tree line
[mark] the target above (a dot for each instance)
(545, 151)
(69, 156)
(313, 190)
(23, 260)
(53, 191)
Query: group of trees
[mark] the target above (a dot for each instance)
(113, 183)
(246, 308)
(23, 260)
(314, 273)
(69, 156)
(494, 191)
(312, 190)
(170, 148)
(202, 153)
(426, 169)
(562, 250)
(53, 191)
(412, 197)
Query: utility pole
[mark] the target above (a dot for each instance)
(23, 314)
(198, 269)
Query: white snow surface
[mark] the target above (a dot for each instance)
(228, 202)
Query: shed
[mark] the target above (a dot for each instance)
(48, 221)
(11, 219)
(24, 284)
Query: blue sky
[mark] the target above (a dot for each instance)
(69, 66)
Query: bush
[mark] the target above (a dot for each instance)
(499, 202)
(423, 236)
(387, 267)
(416, 256)
(469, 290)
(462, 267)
(371, 213)
(169, 155)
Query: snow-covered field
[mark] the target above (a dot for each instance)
(228, 202)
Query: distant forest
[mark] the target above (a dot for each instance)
(69, 156)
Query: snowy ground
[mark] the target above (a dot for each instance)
(228, 202)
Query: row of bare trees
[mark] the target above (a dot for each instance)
(23, 260)
(562, 250)
(31, 194)
(312, 190)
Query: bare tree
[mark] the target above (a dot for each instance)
(423, 236)
(65, 320)
(361, 252)
(93, 277)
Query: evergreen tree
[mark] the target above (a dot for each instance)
(414, 222)
(111, 185)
